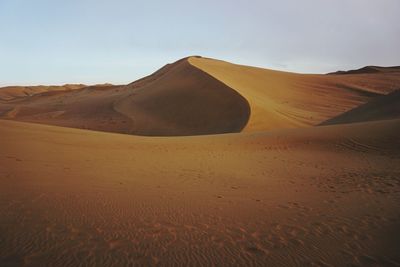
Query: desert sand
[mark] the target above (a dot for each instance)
(380, 108)
(288, 100)
(198, 95)
(275, 189)
(13, 92)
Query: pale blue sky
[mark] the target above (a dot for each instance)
(118, 41)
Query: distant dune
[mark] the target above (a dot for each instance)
(369, 69)
(13, 92)
(179, 99)
(381, 108)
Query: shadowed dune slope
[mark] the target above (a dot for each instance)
(286, 100)
(381, 108)
(320, 196)
(183, 100)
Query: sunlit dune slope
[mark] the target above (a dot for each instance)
(380, 108)
(300, 197)
(285, 100)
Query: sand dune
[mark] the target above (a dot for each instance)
(381, 108)
(177, 100)
(86, 108)
(370, 69)
(182, 100)
(195, 96)
(315, 196)
(13, 92)
(287, 100)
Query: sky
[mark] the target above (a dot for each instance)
(119, 41)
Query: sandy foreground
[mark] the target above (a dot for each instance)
(316, 196)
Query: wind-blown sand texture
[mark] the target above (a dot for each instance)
(259, 195)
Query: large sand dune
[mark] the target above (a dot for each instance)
(182, 100)
(179, 99)
(316, 196)
(197, 95)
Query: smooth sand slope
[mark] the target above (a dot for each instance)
(316, 196)
(196, 96)
(286, 100)
(380, 108)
